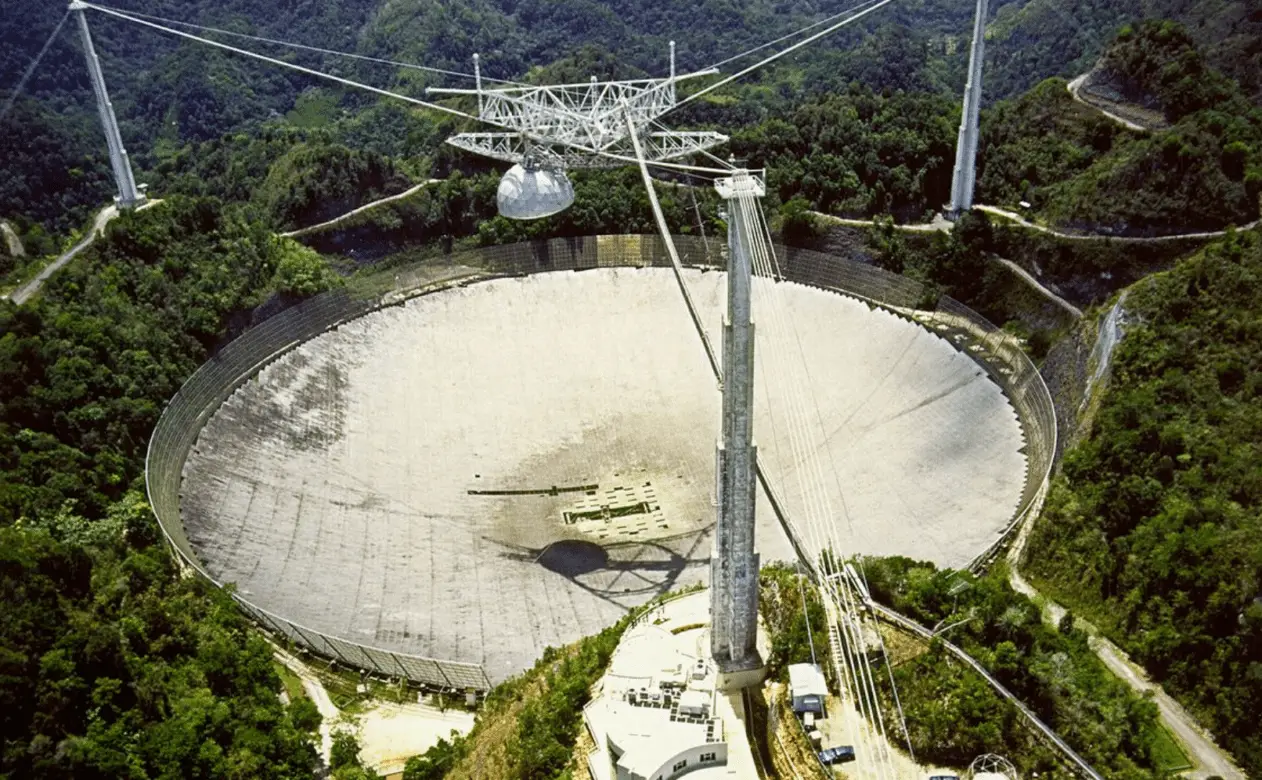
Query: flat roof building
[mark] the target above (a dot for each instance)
(660, 711)
(808, 687)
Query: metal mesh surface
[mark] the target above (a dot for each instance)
(182, 420)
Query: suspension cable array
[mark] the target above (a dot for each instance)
(848, 639)
(844, 606)
(281, 63)
(315, 49)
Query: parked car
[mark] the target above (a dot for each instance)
(944, 777)
(836, 755)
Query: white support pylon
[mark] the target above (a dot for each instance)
(734, 563)
(965, 177)
(129, 196)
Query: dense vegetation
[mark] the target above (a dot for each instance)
(528, 725)
(791, 609)
(115, 666)
(1155, 528)
(295, 178)
(859, 153)
(112, 663)
(951, 718)
(1043, 38)
(172, 95)
(1205, 172)
(86, 368)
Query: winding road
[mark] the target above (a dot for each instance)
(366, 207)
(1023, 222)
(1207, 757)
(1076, 85)
(23, 293)
(942, 225)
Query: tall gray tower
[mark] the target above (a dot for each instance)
(965, 176)
(128, 195)
(734, 564)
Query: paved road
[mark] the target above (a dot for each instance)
(941, 225)
(329, 714)
(1076, 85)
(366, 207)
(1208, 759)
(1022, 221)
(23, 293)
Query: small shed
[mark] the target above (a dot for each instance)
(808, 688)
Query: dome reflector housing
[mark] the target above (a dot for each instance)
(533, 193)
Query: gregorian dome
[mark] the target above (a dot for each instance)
(533, 193)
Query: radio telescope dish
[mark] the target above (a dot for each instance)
(533, 193)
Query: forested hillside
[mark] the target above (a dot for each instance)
(1203, 173)
(111, 663)
(1043, 38)
(1155, 528)
(171, 94)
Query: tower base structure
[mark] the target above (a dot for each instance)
(734, 563)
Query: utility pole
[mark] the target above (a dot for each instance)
(965, 177)
(734, 564)
(128, 194)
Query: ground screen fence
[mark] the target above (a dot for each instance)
(184, 417)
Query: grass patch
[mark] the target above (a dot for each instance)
(1167, 755)
(293, 685)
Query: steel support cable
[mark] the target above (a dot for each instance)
(849, 662)
(793, 34)
(767, 61)
(282, 63)
(837, 479)
(846, 658)
(768, 266)
(814, 447)
(842, 660)
(30, 69)
(714, 363)
(316, 49)
(670, 248)
(841, 586)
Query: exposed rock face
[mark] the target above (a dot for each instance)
(12, 244)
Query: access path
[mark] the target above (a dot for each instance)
(941, 225)
(1208, 759)
(1076, 85)
(366, 207)
(24, 293)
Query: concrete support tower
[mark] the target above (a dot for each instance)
(128, 195)
(734, 564)
(965, 176)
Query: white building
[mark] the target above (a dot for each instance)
(659, 713)
(808, 688)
